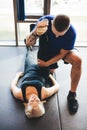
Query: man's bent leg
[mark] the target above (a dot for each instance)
(75, 61)
(76, 69)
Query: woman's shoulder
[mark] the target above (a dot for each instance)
(44, 93)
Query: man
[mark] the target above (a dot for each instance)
(56, 41)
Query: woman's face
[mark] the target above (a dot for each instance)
(34, 100)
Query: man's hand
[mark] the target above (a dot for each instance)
(41, 63)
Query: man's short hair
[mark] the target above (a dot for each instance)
(61, 22)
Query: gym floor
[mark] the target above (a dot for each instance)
(57, 117)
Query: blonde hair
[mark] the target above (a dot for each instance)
(38, 111)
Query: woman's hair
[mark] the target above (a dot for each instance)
(61, 22)
(38, 111)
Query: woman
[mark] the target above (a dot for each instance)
(32, 91)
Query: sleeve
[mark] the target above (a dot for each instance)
(49, 17)
(70, 38)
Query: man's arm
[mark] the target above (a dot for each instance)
(53, 60)
(47, 92)
(17, 93)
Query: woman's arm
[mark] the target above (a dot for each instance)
(47, 92)
(17, 93)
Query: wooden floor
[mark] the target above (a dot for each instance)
(57, 117)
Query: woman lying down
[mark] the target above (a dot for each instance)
(32, 91)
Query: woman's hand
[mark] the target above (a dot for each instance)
(19, 74)
(42, 27)
(42, 23)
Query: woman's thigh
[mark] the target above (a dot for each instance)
(28, 61)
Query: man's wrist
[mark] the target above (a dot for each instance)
(46, 63)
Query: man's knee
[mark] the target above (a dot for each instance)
(77, 63)
(73, 59)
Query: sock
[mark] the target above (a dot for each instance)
(72, 94)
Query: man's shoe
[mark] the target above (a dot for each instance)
(72, 103)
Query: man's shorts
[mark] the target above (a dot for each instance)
(55, 65)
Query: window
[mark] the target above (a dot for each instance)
(28, 11)
(7, 34)
(31, 10)
(77, 10)
(34, 7)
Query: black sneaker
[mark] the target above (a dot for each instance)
(72, 103)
